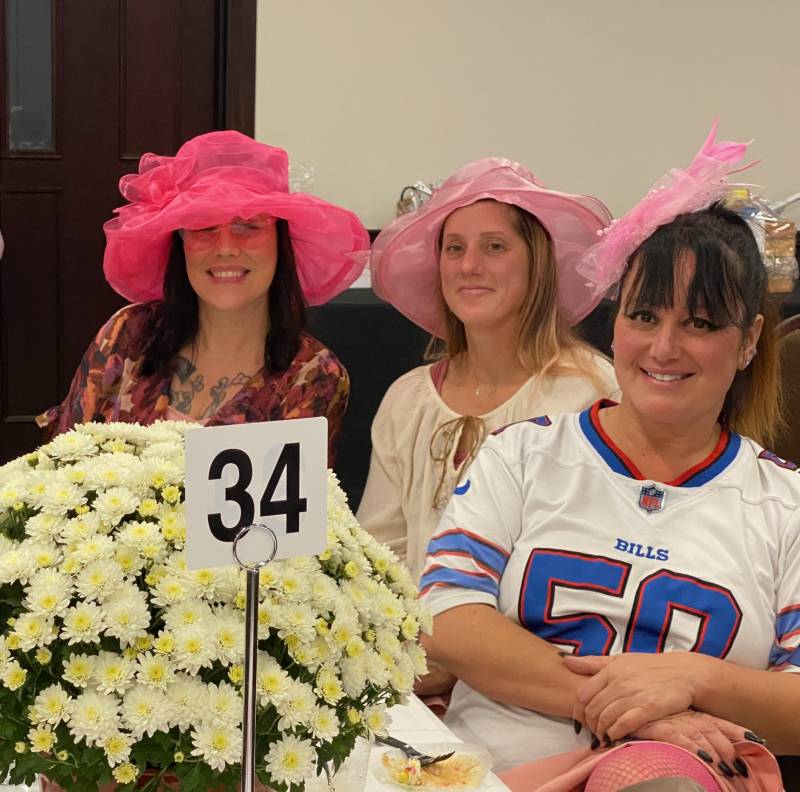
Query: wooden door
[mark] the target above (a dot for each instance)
(87, 87)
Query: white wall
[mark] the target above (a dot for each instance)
(593, 97)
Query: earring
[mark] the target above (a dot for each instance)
(749, 360)
(612, 346)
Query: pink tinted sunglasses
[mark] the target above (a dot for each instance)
(247, 233)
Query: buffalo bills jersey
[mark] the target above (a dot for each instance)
(554, 526)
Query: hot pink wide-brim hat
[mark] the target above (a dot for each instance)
(405, 256)
(212, 179)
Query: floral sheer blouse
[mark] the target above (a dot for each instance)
(108, 385)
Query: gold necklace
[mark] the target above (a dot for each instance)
(487, 390)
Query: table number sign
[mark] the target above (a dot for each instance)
(273, 473)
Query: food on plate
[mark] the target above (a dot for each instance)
(462, 770)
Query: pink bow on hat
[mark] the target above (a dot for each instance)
(696, 187)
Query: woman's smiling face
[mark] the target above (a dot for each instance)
(232, 265)
(484, 265)
(674, 365)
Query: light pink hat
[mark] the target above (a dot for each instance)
(212, 179)
(405, 259)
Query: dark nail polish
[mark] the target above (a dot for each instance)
(595, 743)
(576, 724)
(741, 767)
(725, 769)
(754, 738)
(705, 756)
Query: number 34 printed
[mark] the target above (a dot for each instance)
(292, 505)
(658, 597)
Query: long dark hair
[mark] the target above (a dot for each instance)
(730, 285)
(175, 321)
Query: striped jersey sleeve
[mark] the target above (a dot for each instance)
(470, 549)
(785, 654)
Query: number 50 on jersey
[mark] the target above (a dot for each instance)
(273, 473)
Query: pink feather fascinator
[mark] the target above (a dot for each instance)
(696, 187)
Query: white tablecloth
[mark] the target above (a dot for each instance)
(417, 725)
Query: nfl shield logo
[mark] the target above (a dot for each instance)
(651, 498)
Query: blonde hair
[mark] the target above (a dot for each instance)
(546, 344)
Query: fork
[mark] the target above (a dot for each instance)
(413, 753)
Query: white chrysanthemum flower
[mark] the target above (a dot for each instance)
(170, 590)
(145, 710)
(45, 554)
(228, 629)
(223, 704)
(173, 528)
(111, 471)
(78, 669)
(376, 720)
(164, 643)
(92, 715)
(296, 706)
(195, 648)
(117, 747)
(99, 579)
(32, 630)
(418, 659)
(388, 609)
(83, 623)
(43, 527)
(297, 621)
(183, 695)
(77, 530)
(113, 673)
(329, 686)
(378, 673)
(403, 675)
(128, 559)
(115, 503)
(60, 497)
(294, 584)
(343, 630)
(387, 642)
(49, 706)
(269, 616)
(49, 593)
(70, 446)
(324, 723)
(117, 446)
(13, 491)
(169, 449)
(36, 486)
(187, 614)
(217, 745)
(155, 670)
(17, 564)
(324, 592)
(13, 675)
(93, 548)
(291, 760)
(42, 739)
(272, 682)
(127, 616)
(354, 676)
(269, 577)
